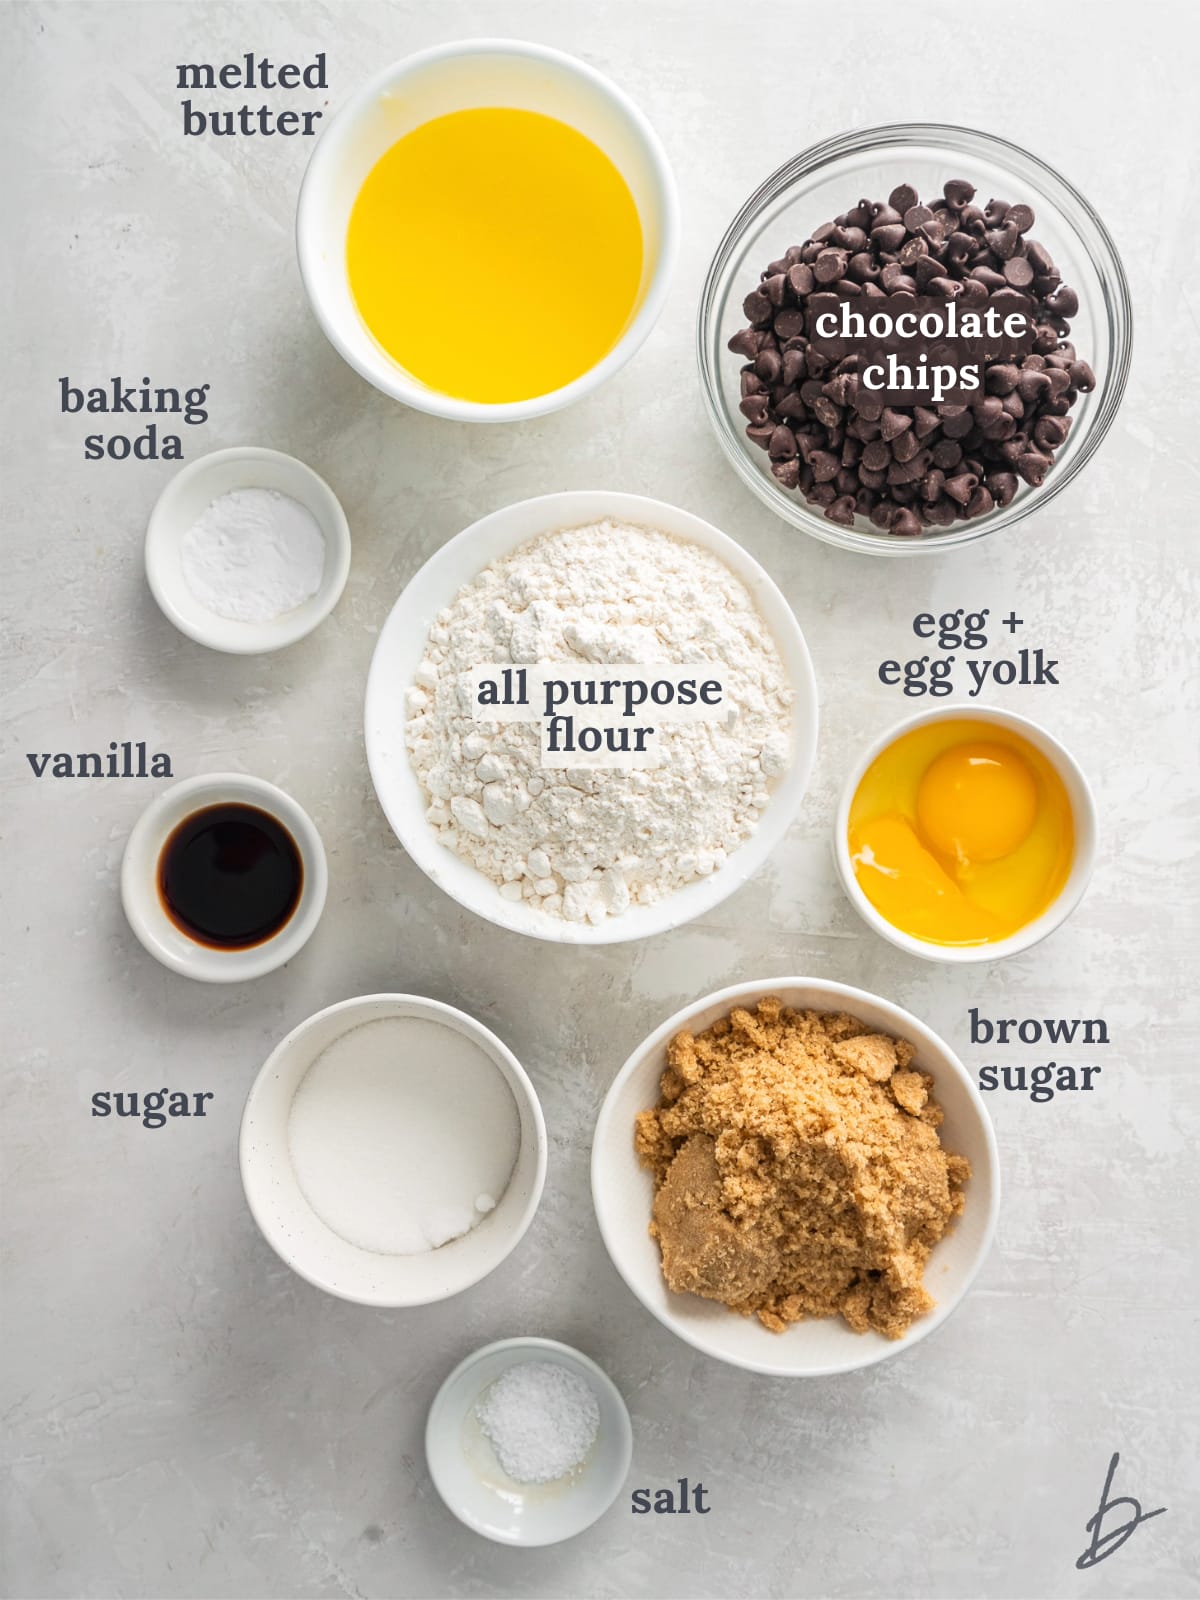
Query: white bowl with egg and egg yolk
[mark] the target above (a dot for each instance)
(1001, 826)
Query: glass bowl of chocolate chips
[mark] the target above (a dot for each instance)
(913, 336)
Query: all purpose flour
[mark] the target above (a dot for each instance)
(586, 844)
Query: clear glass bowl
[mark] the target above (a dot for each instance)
(830, 178)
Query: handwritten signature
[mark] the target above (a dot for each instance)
(1103, 1544)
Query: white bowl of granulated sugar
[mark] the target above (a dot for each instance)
(590, 580)
(247, 550)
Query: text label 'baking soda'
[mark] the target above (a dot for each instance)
(115, 397)
(599, 716)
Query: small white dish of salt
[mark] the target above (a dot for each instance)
(247, 550)
(528, 1442)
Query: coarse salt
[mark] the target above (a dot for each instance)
(541, 1419)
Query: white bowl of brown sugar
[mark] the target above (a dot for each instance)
(796, 1177)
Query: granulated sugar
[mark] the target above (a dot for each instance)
(541, 1419)
(403, 1135)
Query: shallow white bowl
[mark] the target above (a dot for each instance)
(1083, 810)
(190, 492)
(623, 1192)
(309, 1246)
(464, 75)
(402, 644)
(472, 1482)
(139, 879)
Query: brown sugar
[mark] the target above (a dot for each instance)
(798, 1169)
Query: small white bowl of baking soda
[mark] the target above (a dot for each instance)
(528, 1442)
(247, 550)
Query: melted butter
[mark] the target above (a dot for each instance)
(495, 254)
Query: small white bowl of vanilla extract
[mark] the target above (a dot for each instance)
(224, 878)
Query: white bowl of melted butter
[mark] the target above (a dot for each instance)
(436, 258)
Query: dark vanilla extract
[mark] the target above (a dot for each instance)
(230, 876)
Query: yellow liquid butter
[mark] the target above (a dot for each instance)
(495, 254)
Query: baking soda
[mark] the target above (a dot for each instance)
(253, 555)
(403, 1135)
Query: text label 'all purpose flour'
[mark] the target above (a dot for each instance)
(598, 716)
(607, 602)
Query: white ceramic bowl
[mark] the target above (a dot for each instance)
(309, 1246)
(139, 879)
(472, 1482)
(1083, 810)
(466, 74)
(623, 1193)
(402, 644)
(190, 492)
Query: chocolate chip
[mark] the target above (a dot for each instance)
(1002, 486)
(782, 444)
(1082, 376)
(893, 423)
(905, 525)
(887, 236)
(948, 288)
(961, 487)
(958, 192)
(1003, 242)
(1033, 467)
(990, 278)
(947, 453)
(1019, 217)
(915, 215)
(925, 421)
(774, 288)
(957, 426)
(980, 503)
(1018, 273)
(1032, 385)
(905, 446)
(1050, 432)
(800, 279)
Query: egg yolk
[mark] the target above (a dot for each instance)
(961, 833)
(977, 802)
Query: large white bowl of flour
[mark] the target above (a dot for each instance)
(396, 671)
